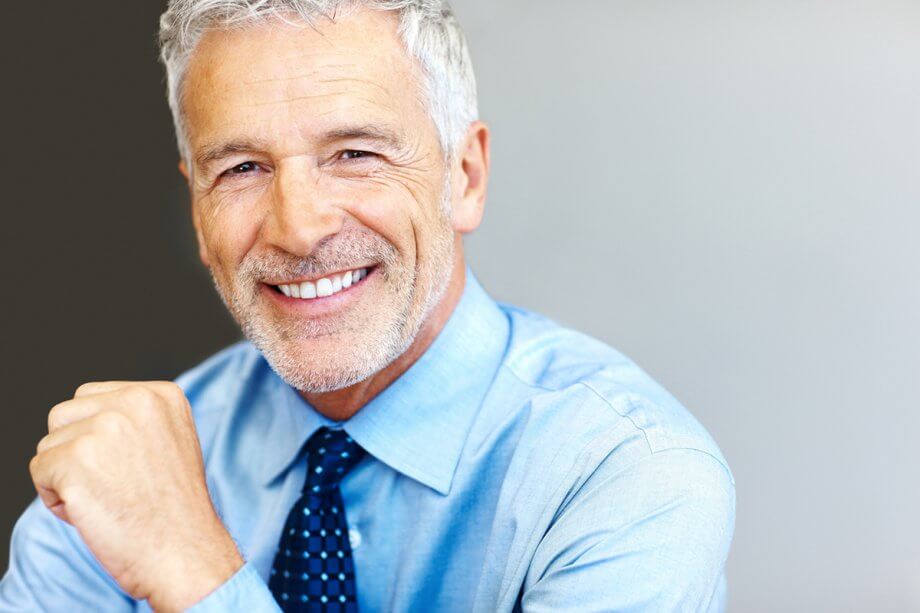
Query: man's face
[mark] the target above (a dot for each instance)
(312, 156)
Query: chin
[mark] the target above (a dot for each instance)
(329, 363)
(307, 375)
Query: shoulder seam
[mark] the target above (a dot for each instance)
(587, 386)
(703, 452)
(628, 398)
(614, 409)
(645, 434)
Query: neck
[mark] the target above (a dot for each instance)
(340, 405)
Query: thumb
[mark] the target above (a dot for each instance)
(54, 503)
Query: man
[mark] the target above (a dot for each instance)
(389, 438)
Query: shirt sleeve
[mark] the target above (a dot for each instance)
(50, 569)
(651, 537)
(244, 591)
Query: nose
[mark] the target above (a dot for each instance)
(301, 215)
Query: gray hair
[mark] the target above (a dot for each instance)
(429, 31)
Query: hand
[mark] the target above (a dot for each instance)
(122, 464)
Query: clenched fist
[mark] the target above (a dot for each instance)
(122, 464)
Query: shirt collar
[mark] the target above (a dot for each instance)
(419, 423)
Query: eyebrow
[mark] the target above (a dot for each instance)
(379, 134)
(384, 136)
(214, 152)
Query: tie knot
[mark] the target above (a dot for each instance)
(330, 455)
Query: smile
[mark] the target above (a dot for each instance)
(321, 288)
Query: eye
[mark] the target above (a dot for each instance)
(241, 169)
(355, 154)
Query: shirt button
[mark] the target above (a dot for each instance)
(354, 538)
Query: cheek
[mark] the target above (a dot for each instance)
(393, 215)
(228, 236)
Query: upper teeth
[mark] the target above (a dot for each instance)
(326, 286)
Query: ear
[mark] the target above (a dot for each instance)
(470, 178)
(196, 218)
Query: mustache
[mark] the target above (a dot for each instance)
(332, 254)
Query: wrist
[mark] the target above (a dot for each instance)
(193, 574)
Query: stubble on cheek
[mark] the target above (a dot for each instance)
(244, 291)
(328, 353)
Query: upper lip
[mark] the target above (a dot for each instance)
(316, 278)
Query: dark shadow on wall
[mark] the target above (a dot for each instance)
(101, 278)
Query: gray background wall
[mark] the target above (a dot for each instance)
(725, 191)
(728, 192)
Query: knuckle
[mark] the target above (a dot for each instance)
(146, 392)
(34, 466)
(54, 415)
(85, 388)
(111, 422)
(83, 449)
(173, 391)
(139, 397)
(42, 444)
(70, 493)
(178, 401)
(168, 393)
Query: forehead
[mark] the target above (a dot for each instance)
(292, 80)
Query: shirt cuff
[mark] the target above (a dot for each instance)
(244, 591)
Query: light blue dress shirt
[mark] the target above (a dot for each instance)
(517, 465)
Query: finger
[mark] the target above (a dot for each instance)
(49, 472)
(68, 412)
(62, 434)
(103, 387)
(143, 399)
(51, 500)
(164, 389)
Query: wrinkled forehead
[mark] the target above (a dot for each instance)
(297, 78)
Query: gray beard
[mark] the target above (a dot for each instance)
(393, 331)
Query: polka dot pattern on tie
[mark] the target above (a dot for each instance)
(313, 568)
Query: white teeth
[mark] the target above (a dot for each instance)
(324, 288)
(327, 286)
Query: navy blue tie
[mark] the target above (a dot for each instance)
(314, 569)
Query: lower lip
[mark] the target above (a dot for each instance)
(327, 305)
